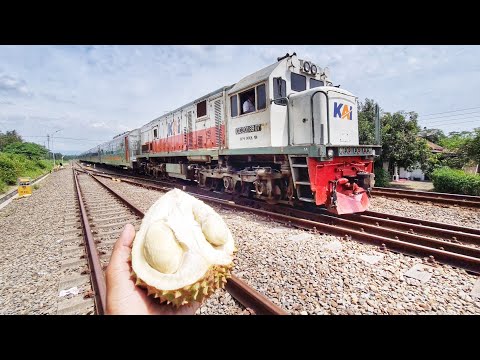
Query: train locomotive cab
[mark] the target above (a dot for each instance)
(312, 128)
(341, 175)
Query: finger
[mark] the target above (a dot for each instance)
(121, 250)
(127, 236)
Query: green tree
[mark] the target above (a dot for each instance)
(472, 146)
(8, 138)
(366, 121)
(455, 140)
(401, 143)
(456, 143)
(30, 150)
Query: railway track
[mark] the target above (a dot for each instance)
(435, 242)
(102, 223)
(434, 197)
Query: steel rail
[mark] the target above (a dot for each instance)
(441, 198)
(463, 257)
(419, 227)
(96, 271)
(240, 290)
(428, 223)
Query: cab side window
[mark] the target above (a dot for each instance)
(247, 101)
(279, 90)
(261, 97)
(251, 100)
(233, 106)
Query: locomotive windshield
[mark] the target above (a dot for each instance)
(315, 83)
(298, 82)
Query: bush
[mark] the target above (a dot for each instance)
(382, 177)
(13, 166)
(433, 162)
(30, 150)
(455, 181)
(8, 169)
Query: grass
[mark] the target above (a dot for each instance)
(13, 166)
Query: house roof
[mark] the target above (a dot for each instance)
(434, 147)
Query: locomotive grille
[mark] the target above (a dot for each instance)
(218, 121)
(190, 130)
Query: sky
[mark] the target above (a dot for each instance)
(92, 93)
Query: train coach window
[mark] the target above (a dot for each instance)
(261, 97)
(202, 109)
(233, 106)
(315, 83)
(298, 82)
(279, 90)
(155, 133)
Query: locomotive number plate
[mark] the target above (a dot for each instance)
(352, 151)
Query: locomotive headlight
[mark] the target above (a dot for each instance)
(330, 153)
(306, 66)
(314, 69)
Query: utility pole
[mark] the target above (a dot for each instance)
(378, 124)
(48, 142)
(48, 139)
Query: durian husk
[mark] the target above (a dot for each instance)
(215, 278)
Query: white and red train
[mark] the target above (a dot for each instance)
(296, 142)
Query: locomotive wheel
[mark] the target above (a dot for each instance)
(277, 195)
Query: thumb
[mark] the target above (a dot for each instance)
(122, 249)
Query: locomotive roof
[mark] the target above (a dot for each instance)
(204, 97)
(251, 79)
(254, 78)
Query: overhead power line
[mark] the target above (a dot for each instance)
(450, 116)
(60, 137)
(453, 123)
(445, 112)
(449, 122)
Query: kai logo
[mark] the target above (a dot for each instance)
(342, 111)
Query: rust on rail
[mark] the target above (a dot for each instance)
(96, 271)
(459, 255)
(433, 224)
(441, 198)
(250, 298)
(246, 295)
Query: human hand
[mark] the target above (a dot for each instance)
(123, 296)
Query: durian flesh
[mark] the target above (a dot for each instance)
(183, 250)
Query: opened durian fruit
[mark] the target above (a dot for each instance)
(183, 250)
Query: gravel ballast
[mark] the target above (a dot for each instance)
(448, 214)
(302, 272)
(308, 273)
(30, 254)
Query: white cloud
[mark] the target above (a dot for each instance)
(11, 86)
